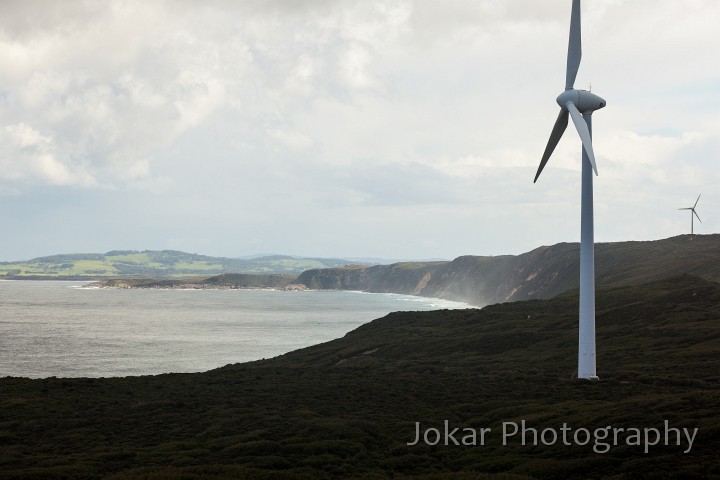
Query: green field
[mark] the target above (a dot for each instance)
(164, 263)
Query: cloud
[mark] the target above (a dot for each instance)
(393, 184)
(27, 157)
(291, 140)
(271, 111)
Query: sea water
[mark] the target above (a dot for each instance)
(53, 328)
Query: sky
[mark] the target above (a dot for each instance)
(394, 129)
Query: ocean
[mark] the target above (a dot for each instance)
(61, 329)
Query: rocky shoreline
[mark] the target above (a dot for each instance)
(220, 282)
(197, 286)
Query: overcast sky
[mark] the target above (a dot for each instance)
(395, 129)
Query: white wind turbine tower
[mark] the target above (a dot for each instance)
(693, 212)
(579, 105)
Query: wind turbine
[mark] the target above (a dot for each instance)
(579, 105)
(692, 212)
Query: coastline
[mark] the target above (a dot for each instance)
(389, 387)
(291, 287)
(136, 332)
(195, 286)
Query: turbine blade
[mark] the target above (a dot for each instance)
(697, 215)
(574, 47)
(689, 208)
(555, 136)
(584, 133)
(698, 199)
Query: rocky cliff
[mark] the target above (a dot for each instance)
(540, 273)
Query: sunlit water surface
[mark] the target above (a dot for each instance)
(50, 328)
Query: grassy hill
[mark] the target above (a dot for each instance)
(540, 273)
(163, 263)
(347, 408)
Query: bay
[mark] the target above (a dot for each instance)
(57, 328)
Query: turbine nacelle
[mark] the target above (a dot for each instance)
(573, 104)
(582, 99)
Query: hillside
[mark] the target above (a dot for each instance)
(165, 263)
(347, 408)
(540, 273)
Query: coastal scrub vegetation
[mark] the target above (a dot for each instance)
(347, 408)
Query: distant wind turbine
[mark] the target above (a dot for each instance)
(693, 212)
(579, 105)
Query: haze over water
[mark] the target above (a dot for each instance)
(50, 328)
